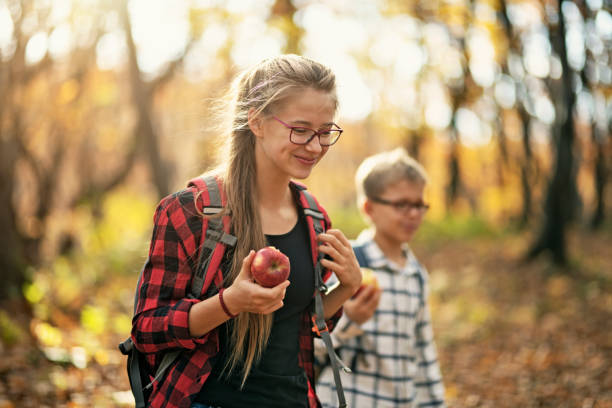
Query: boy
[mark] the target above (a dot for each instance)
(385, 335)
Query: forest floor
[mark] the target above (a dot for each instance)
(509, 334)
(515, 334)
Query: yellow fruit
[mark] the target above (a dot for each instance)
(368, 278)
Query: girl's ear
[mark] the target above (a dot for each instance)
(255, 123)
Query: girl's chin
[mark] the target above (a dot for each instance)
(300, 175)
(301, 171)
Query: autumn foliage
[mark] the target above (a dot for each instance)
(105, 107)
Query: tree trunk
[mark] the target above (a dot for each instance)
(12, 262)
(285, 10)
(413, 143)
(146, 135)
(601, 176)
(502, 147)
(526, 173)
(454, 171)
(558, 204)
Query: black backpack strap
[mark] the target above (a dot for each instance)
(318, 318)
(133, 367)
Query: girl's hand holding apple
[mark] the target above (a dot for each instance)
(246, 295)
(270, 267)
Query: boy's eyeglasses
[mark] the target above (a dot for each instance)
(302, 135)
(403, 205)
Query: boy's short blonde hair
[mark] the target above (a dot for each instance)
(381, 170)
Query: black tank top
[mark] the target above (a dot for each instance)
(277, 380)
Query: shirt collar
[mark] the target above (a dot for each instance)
(377, 259)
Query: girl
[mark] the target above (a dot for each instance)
(248, 345)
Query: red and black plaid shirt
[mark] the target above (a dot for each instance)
(161, 321)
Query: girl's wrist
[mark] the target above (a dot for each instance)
(230, 311)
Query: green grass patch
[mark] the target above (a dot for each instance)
(456, 228)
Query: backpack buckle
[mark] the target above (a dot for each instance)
(315, 327)
(126, 346)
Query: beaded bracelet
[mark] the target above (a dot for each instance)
(224, 306)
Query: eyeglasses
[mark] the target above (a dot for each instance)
(302, 135)
(403, 205)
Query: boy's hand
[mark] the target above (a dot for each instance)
(362, 306)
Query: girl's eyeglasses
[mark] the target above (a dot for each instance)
(302, 135)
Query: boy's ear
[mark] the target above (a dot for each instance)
(367, 207)
(255, 123)
(366, 212)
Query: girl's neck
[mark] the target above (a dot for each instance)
(391, 249)
(276, 206)
(273, 191)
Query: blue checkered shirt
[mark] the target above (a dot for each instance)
(392, 355)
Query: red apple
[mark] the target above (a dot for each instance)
(270, 267)
(368, 278)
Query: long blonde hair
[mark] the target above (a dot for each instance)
(260, 90)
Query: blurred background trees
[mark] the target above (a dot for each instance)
(507, 102)
(107, 105)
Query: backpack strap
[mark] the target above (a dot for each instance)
(133, 367)
(421, 284)
(360, 255)
(215, 238)
(316, 221)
